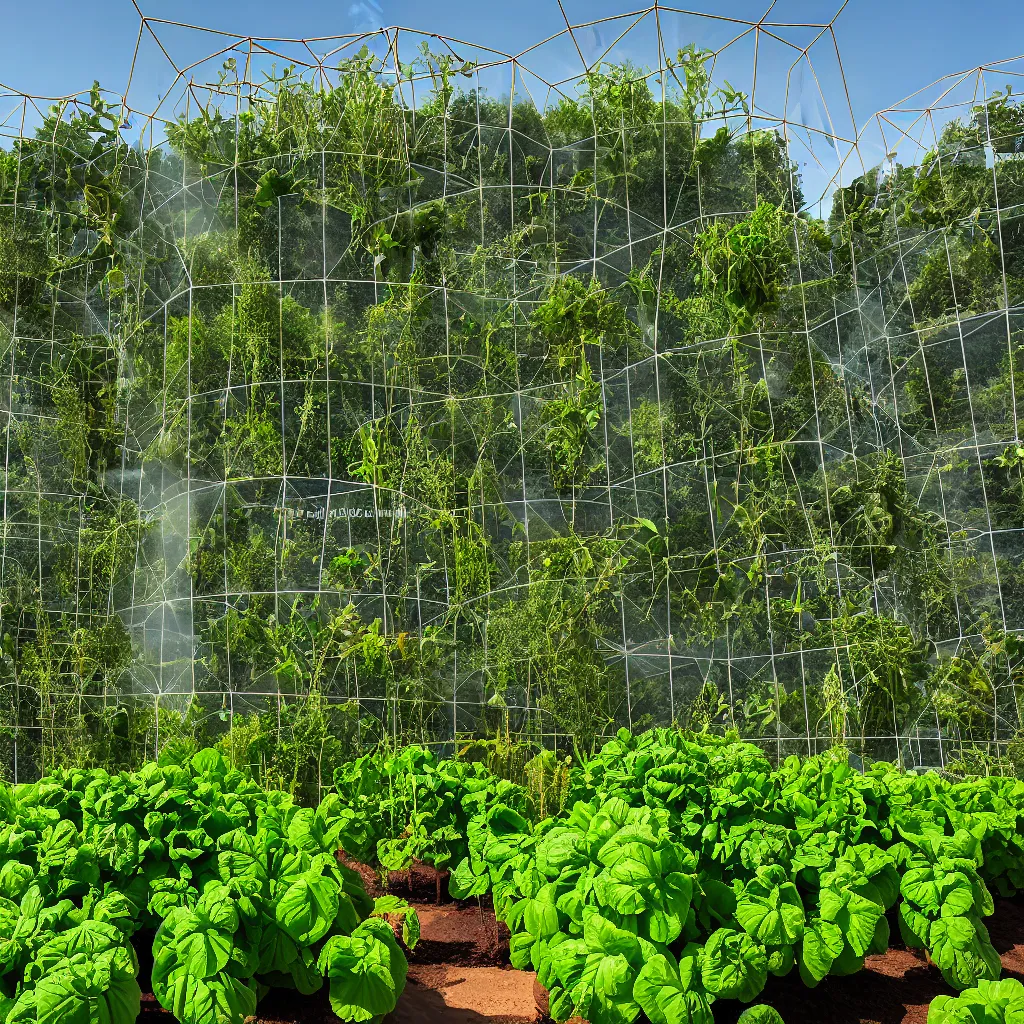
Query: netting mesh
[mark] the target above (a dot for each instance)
(386, 386)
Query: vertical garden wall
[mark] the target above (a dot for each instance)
(387, 388)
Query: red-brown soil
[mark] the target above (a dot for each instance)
(460, 937)
(465, 995)
(420, 884)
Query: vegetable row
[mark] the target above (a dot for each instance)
(687, 870)
(238, 890)
(681, 870)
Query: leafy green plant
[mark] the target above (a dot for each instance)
(760, 1014)
(241, 886)
(992, 1002)
(687, 869)
(407, 805)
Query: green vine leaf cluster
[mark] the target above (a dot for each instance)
(466, 417)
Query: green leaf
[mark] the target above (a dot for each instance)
(562, 849)
(90, 938)
(960, 953)
(209, 762)
(822, 942)
(540, 916)
(87, 988)
(218, 907)
(366, 971)
(992, 1002)
(934, 891)
(914, 926)
(771, 914)
(671, 901)
(781, 960)
(521, 950)
(959, 932)
(719, 902)
(668, 995)
(855, 915)
(308, 907)
(464, 883)
(203, 953)
(241, 856)
(15, 878)
(880, 942)
(613, 991)
(601, 936)
(734, 966)
(218, 1000)
(411, 928)
(760, 1014)
(277, 950)
(167, 894)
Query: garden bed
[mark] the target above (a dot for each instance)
(459, 973)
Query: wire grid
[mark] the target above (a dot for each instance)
(221, 508)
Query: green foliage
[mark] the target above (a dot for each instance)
(389, 441)
(408, 806)
(573, 420)
(683, 869)
(686, 869)
(745, 265)
(992, 1002)
(760, 1014)
(241, 885)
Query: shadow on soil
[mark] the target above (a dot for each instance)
(866, 996)
(420, 1005)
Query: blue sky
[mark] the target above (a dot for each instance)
(890, 48)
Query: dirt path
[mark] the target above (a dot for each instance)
(466, 995)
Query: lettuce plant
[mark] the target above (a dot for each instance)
(689, 869)
(760, 1014)
(241, 887)
(992, 1002)
(408, 805)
